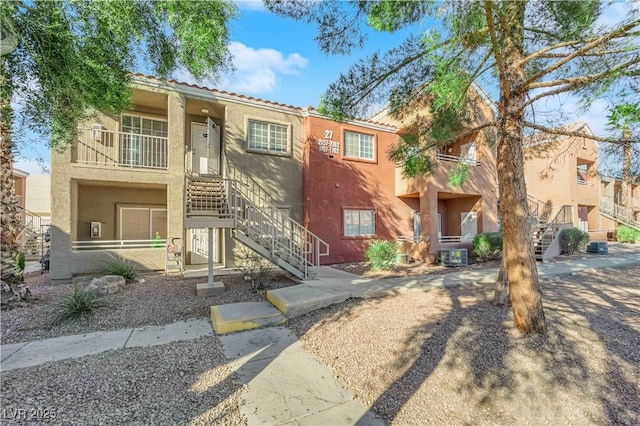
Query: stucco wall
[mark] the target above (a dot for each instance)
(333, 183)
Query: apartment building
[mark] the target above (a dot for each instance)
(613, 210)
(563, 171)
(205, 170)
(434, 215)
(187, 164)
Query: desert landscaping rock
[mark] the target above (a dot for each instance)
(158, 300)
(177, 383)
(109, 284)
(449, 356)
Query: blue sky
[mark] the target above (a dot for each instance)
(279, 60)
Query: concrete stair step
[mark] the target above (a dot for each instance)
(234, 317)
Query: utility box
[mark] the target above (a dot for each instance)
(454, 257)
(598, 247)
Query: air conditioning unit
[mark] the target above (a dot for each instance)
(454, 257)
(598, 247)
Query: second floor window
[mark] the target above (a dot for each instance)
(358, 145)
(268, 137)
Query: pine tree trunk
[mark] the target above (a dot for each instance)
(518, 256)
(501, 292)
(13, 287)
(625, 188)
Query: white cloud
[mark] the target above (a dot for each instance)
(256, 70)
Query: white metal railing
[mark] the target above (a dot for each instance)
(563, 217)
(454, 159)
(617, 212)
(455, 238)
(409, 239)
(117, 244)
(256, 215)
(583, 182)
(111, 148)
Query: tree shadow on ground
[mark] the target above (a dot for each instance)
(582, 370)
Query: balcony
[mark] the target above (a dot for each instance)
(107, 148)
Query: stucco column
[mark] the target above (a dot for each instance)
(64, 199)
(175, 183)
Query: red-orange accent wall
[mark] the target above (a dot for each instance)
(333, 183)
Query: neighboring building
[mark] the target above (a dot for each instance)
(170, 168)
(611, 206)
(563, 170)
(20, 187)
(38, 199)
(433, 215)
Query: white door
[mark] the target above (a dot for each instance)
(469, 225)
(200, 246)
(468, 151)
(205, 146)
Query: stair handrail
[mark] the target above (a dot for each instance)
(563, 216)
(618, 213)
(249, 189)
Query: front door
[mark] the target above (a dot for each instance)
(200, 246)
(469, 225)
(205, 146)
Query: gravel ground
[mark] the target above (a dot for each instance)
(156, 301)
(449, 357)
(178, 383)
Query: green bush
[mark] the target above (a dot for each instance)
(487, 246)
(572, 240)
(382, 254)
(627, 234)
(20, 261)
(119, 266)
(78, 304)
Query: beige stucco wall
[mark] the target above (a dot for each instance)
(72, 199)
(551, 176)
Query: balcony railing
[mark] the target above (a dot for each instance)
(583, 182)
(117, 244)
(409, 239)
(120, 149)
(454, 159)
(456, 238)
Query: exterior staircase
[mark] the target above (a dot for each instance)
(236, 201)
(618, 213)
(545, 232)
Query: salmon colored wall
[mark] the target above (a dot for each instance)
(332, 183)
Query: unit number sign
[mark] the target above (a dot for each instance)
(327, 144)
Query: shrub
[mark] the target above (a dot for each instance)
(572, 240)
(382, 254)
(20, 261)
(627, 234)
(79, 304)
(254, 267)
(119, 266)
(487, 246)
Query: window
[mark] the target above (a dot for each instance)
(144, 142)
(359, 223)
(267, 137)
(357, 145)
(142, 223)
